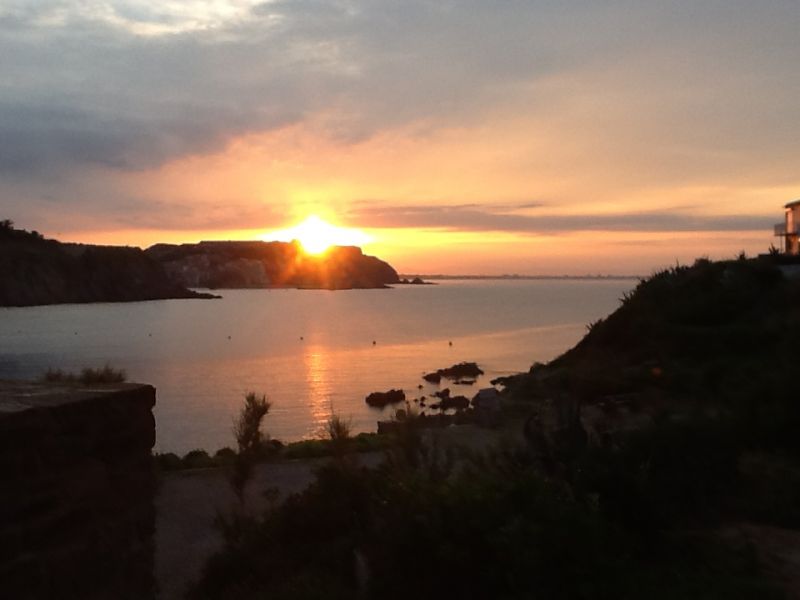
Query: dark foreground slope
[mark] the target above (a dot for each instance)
(268, 264)
(34, 270)
(661, 460)
(704, 337)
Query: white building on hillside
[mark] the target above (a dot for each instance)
(788, 230)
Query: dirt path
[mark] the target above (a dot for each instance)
(187, 503)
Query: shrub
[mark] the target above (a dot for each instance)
(224, 457)
(58, 375)
(197, 459)
(249, 439)
(106, 374)
(168, 461)
(493, 529)
(314, 448)
(339, 434)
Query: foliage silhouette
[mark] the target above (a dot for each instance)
(249, 439)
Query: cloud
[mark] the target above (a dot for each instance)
(138, 84)
(616, 97)
(471, 217)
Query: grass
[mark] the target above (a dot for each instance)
(87, 376)
(273, 450)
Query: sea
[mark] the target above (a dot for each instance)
(313, 353)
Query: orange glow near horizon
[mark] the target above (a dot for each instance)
(356, 192)
(316, 235)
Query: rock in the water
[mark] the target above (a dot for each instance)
(464, 372)
(432, 377)
(381, 399)
(468, 370)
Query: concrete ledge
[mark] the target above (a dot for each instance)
(76, 490)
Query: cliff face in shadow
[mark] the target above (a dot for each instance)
(268, 264)
(34, 271)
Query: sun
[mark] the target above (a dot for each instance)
(316, 235)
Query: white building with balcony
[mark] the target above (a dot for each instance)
(788, 230)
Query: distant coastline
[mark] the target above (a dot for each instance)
(38, 271)
(445, 277)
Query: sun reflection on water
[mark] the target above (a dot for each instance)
(317, 365)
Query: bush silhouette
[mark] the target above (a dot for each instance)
(249, 440)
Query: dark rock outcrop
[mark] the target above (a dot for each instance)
(464, 373)
(445, 393)
(381, 399)
(270, 264)
(34, 271)
(76, 491)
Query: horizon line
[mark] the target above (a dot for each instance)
(515, 276)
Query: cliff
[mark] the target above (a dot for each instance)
(34, 271)
(76, 492)
(270, 264)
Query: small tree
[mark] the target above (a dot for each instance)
(249, 439)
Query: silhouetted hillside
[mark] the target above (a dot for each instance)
(34, 270)
(705, 333)
(267, 264)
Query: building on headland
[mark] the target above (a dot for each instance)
(788, 230)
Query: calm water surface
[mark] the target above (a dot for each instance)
(204, 355)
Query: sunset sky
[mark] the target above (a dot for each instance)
(536, 137)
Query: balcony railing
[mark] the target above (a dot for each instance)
(781, 229)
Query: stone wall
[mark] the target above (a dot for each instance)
(76, 490)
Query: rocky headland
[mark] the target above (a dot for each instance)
(217, 265)
(35, 270)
